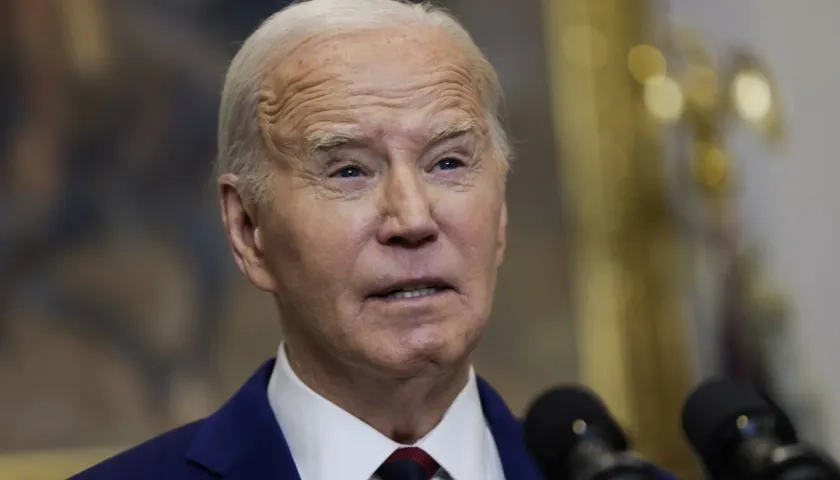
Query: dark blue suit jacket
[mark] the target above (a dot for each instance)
(242, 441)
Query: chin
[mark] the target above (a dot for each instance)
(425, 351)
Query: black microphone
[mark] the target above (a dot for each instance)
(740, 435)
(573, 437)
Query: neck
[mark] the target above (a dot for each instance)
(403, 409)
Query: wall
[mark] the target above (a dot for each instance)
(790, 197)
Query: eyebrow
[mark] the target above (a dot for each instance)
(327, 140)
(453, 130)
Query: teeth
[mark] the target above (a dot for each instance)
(413, 292)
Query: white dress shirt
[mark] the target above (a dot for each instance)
(329, 443)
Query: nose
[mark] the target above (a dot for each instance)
(407, 210)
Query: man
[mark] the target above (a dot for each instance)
(361, 179)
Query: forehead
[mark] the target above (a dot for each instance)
(415, 80)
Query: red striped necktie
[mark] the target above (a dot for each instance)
(410, 463)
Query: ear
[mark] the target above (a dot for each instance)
(243, 231)
(501, 239)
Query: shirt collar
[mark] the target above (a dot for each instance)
(461, 442)
(317, 429)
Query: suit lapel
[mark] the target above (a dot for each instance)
(507, 432)
(242, 439)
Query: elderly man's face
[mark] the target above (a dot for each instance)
(386, 223)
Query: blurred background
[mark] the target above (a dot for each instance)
(673, 215)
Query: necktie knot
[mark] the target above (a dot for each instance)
(409, 463)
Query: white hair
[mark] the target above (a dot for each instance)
(242, 149)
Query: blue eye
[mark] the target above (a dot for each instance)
(349, 172)
(449, 163)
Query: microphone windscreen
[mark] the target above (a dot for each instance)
(551, 420)
(715, 405)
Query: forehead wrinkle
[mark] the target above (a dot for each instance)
(332, 65)
(330, 125)
(319, 83)
(440, 77)
(298, 93)
(349, 94)
(341, 108)
(281, 117)
(430, 123)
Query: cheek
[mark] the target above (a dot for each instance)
(472, 226)
(325, 238)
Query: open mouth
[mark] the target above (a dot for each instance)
(408, 292)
